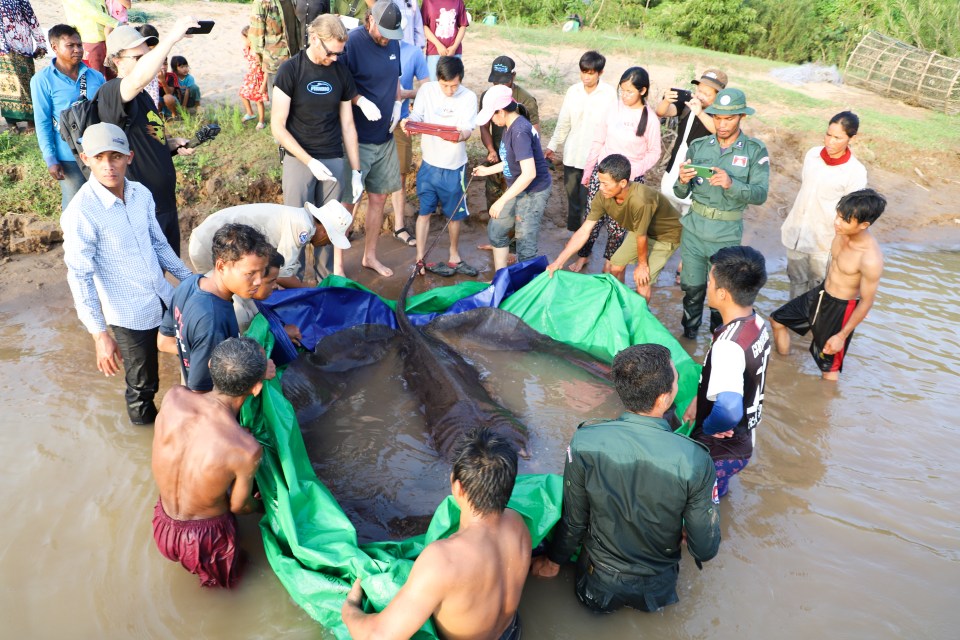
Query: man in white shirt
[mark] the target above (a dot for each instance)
(116, 254)
(580, 115)
(289, 229)
(441, 178)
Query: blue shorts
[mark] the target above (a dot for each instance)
(444, 187)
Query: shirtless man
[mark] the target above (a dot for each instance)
(469, 583)
(834, 308)
(204, 463)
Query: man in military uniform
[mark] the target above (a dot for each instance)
(631, 487)
(274, 34)
(503, 71)
(734, 172)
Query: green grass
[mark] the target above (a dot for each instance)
(25, 184)
(770, 93)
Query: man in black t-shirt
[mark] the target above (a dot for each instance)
(124, 102)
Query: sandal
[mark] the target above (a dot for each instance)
(410, 240)
(465, 269)
(441, 269)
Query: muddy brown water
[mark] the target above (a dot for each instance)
(843, 526)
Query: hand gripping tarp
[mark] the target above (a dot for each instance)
(309, 541)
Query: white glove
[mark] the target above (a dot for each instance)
(320, 171)
(370, 110)
(395, 118)
(356, 185)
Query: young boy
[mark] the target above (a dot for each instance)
(833, 309)
(109, 227)
(201, 314)
(440, 180)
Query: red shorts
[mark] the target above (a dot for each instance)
(207, 548)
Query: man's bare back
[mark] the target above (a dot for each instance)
(203, 461)
(486, 567)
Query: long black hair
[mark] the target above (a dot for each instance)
(640, 79)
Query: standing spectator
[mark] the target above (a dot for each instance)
(54, 89)
(580, 114)
(738, 174)
(272, 27)
(442, 176)
(444, 25)
(21, 41)
(412, 23)
(632, 491)
(254, 86)
(710, 83)
(729, 402)
(313, 121)
(829, 173)
(373, 57)
(413, 72)
(521, 206)
(503, 72)
(94, 23)
(116, 255)
(631, 129)
(124, 102)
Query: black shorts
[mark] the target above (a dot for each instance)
(825, 315)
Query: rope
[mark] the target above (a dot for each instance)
(421, 263)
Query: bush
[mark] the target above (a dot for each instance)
(722, 25)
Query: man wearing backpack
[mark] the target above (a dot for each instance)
(54, 89)
(124, 102)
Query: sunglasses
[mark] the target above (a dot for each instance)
(331, 54)
(134, 58)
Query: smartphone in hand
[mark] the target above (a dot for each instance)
(683, 97)
(206, 26)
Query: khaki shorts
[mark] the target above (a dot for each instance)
(404, 150)
(658, 253)
(381, 170)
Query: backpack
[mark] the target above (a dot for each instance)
(75, 119)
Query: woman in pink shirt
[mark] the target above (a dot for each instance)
(631, 129)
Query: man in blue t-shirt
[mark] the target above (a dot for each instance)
(201, 314)
(413, 65)
(372, 54)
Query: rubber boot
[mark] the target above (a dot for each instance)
(693, 297)
(500, 257)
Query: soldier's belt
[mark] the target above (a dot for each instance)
(712, 213)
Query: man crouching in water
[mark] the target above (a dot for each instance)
(469, 583)
(203, 463)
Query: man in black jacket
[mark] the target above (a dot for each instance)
(631, 489)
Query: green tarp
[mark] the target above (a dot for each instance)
(311, 544)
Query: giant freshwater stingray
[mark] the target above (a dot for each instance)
(451, 394)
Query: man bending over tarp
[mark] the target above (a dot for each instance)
(469, 583)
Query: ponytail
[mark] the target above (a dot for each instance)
(640, 79)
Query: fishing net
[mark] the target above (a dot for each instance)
(310, 543)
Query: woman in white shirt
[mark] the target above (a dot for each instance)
(829, 173)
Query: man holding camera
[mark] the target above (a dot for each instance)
(124, 102)
(722, 173)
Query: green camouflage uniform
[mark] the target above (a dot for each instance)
(268, 34)
(715, 220)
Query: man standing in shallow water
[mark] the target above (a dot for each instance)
(470, 583)
(204, 463)
(834, 308)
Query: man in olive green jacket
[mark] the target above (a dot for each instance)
(631, 488)
(722, 174)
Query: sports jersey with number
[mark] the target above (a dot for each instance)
(737, 363)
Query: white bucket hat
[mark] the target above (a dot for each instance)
(335, 220)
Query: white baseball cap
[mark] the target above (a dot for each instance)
(104, 136)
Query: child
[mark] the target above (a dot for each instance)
(169, 89)
(189, 94)
(833, 309)
(254, 87)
